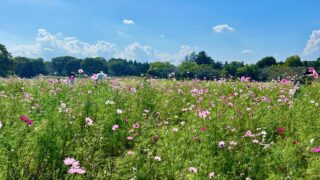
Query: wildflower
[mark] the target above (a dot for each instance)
(211, 175)
(233, 143)
(130, 153)
(311, 141)
(63, 105)
(69, 161)
(115, 127)
(109, 102)
(129, 138)
(51, 81)
(248, 134)
(203, 128)
(280, 131)
(182, 123)
(255, 141)
(312, 101)
(157, 158)
(89, 121)
(265, 99)
(77, 170)
(0, 125)
(25, 119)
(175, 129)
(221, 144)
(203, 114)
(80, 71)
(193, 170)
(136, 125)
(316, 150)
(119, 111)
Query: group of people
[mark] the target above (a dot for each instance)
(71, 79)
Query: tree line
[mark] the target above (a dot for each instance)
(196, 65)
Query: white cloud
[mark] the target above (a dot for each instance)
(128, 22)
(313, 44)
(49, 45)
(222, 28)
(247, 51)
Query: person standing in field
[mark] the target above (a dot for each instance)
(72, 78)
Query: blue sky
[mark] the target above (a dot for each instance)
(167, 30)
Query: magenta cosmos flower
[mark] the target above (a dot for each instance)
(316, 150)
(25, 119)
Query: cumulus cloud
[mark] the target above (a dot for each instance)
(313, 44)
(128, 22)
(247, 51)
(49, 45)
(222, 28)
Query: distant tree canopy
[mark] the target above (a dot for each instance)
(293, 61)
(161, 69)
(6, 62)
(195, 65)
(27, 67)
(266, 62)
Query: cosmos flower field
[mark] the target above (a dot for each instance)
(158, 129)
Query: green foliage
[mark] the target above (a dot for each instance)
(161, 69)
(266, 62)
(94, 65)
(5, 61)
(168, 136)
(293, 61)
(27, 67)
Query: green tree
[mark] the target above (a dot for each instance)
(248, 71)
(59, 64)
(94, 65)
(161, 69)
(6, 63)
(266, 62)
(27, 67)
(73, 65)
(293, 61)
(206, 71)
(231, 68)
(203, 58)
(118, 67)
(188, 69)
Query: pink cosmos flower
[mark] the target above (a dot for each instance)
(136, 125)
(89, 121)
(51, 81)
(255, 141)
(129, 137)
(69, 161)
(316, 150)
(265, 99)
(80, 71)
(203, 114)
(211, 175)
(248, 134)
(193, 170)
(79, 170)
(115, 127)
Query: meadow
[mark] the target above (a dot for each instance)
(158, 129)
